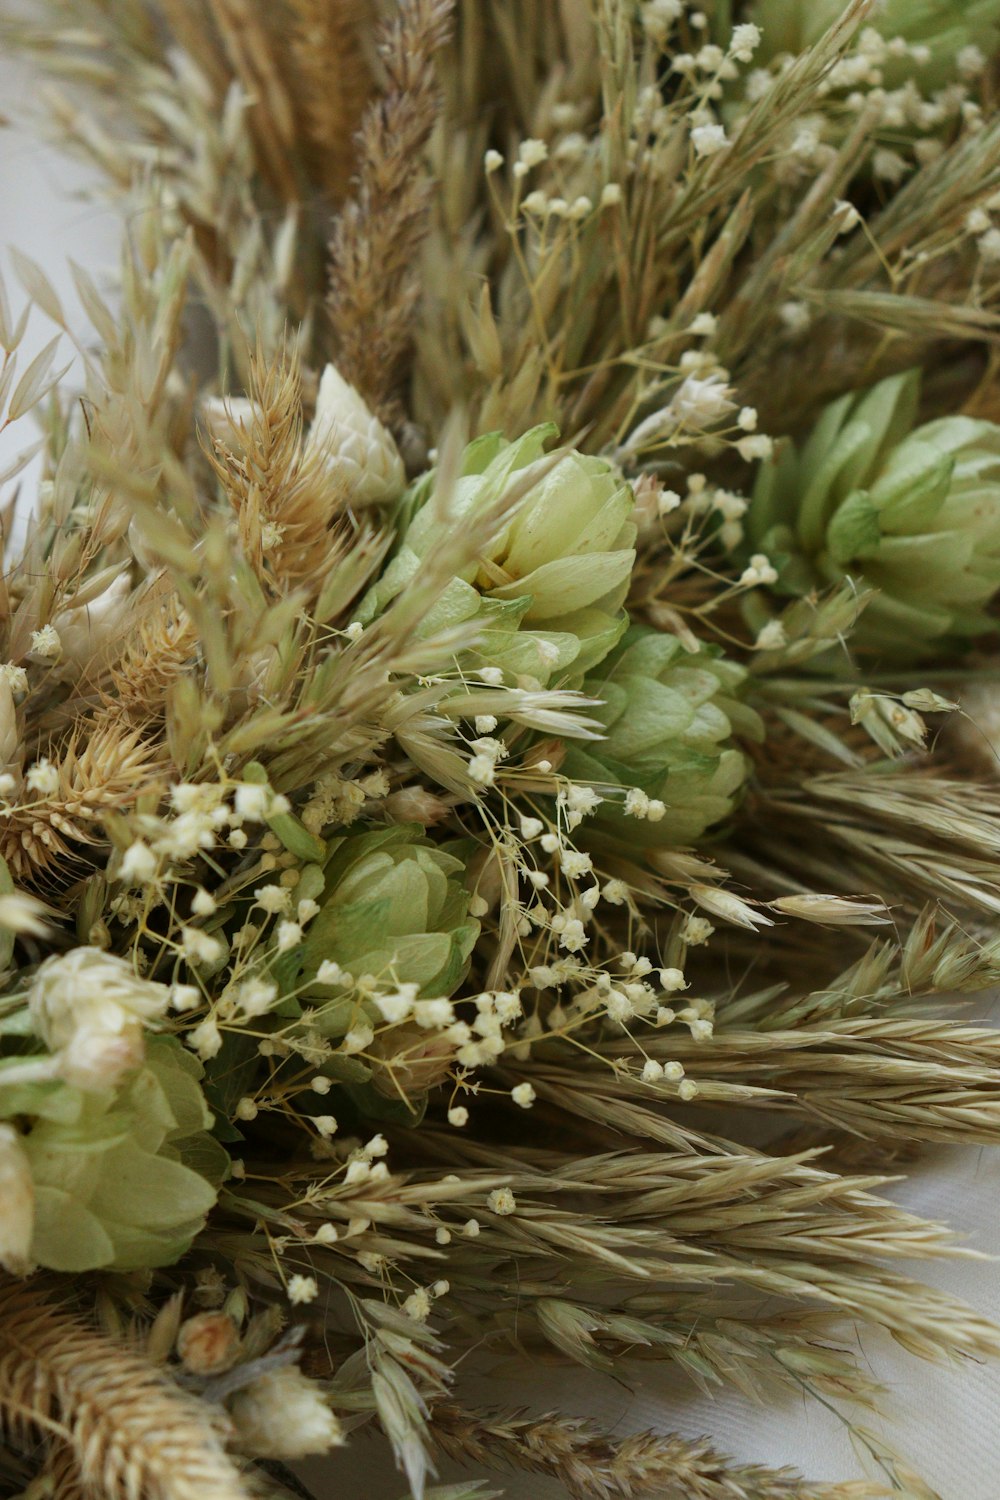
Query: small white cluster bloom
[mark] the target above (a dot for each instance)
(289, 936)
(530, 153)
(759, 446)
(988, 246)
(744, 41)
(43, 777)
(639, 805)
(888, 165)
(482, 764)
(501, 1201)
(696, 930)
(331, 973)
(759, 570)
(205, 1039)
(659, 16)
(200, 947)
(274, 899)
(672, 979)
(701, 403)
(795, 316)
(709, 140)
(15, 677)
(46, 642)
(771, 637)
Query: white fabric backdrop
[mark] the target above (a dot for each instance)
(945, 1420)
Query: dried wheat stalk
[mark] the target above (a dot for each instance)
(374, 281)
(132, 1434)
(592, 1465)
(326, 45)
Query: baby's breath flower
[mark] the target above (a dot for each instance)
(744, 42)
(758, 570)
(45, 642)
(184, 997)
(418, 1306)
(696, 930)
(672, 980)
(273, 898)
(358, 1039)
(200, 947)
(988, 246)
(524, 1095)
(289, 936)
(709, 140)
(138, 864)
(43, 777)
(771, 637)
(501, 1202)
(205, 1039)
(302, 1289)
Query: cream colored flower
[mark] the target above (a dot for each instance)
(90, 1008)
(354, 443)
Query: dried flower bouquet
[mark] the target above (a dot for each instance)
(477, 873)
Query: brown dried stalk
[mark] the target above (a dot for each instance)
(594, 1466)
(374, 280)
(283, 494)
(158, 651)
(61, 1473)
(250, 47)
(133, 1435)
(335, 83)
(103, 766)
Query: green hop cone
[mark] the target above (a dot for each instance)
(944, 28)
(122, 1179)
(549, 586)
(670, 717)
(393, 906)
(913, 512)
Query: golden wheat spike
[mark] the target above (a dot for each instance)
(335, 82)
(132, 1434)
(374, 282)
